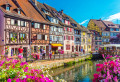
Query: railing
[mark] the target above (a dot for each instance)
(56, 56)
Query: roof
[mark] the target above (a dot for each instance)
(41, 6)
(99, 23)
(30, 12)
(84, 28)
(110, 24)
(73, 21)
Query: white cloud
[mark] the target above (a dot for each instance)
(83, 22)
(113, 17)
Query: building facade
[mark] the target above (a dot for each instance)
(96, 27)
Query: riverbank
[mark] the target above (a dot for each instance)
(49, 64)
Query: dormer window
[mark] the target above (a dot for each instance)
(46, 12)
(7, 8)
(19, 12)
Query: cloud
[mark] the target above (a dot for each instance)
(113, 17)
(83, 22)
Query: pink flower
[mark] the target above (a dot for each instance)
(95, 75)
(98, 69)
(9, 80)
(115, 79)
(17, 80)
(25, 70)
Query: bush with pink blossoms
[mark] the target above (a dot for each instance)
(13, 70)
(35, 56)
(109, 71)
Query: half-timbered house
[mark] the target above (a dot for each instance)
(14, 28)
(68, 32)
(22, 25)
(39, 27)
(56, 30)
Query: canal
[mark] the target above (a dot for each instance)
(80, 72)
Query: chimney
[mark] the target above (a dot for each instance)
(62, 12)
(36, 2)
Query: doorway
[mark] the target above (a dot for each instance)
(72, 48)
(25, 51)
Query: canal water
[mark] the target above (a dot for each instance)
(80, 72)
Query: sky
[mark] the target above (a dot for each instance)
(84, 10)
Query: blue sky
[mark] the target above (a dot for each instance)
(84, 10)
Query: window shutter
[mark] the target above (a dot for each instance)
(73, 38)
(64, 28)
(64, 37)
(67, 29)
(65, 21)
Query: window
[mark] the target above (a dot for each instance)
(67, 47)
(52, 28)
(66, 37)
(18, 22)
(32, 24)
(23, 23)
(111, 29)
(43, 26)
(117, 29)
(7, 8)
(35, 25)
(45, 37)
(12, 21)
(35, 49)
(71, 37)
(13, 36)
(63, 21)
(39, 37)
(19, 12)
(50, 38)
(22, 36)
(65, 29)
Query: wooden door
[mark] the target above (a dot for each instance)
(72, 48)
(24, 51)
(47, 50)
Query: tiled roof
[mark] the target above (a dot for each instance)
(110, 24)
(73, 21)
(99, 23)
(30, 12)
(84, 28)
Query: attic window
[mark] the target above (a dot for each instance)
(19, 12)
(7, 8)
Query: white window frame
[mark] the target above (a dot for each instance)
(45, 37)
(12, 22)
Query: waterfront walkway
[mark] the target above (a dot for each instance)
(58, 62)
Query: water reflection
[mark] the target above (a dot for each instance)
(81, 72)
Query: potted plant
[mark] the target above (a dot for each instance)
(21, 38)
(12, 38)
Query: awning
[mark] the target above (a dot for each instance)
(57, 45)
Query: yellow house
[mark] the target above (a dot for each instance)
(96, 27)
(84, 38)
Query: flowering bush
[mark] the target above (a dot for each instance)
(35, 56)
(109, 71)
(76, 53)
(61, 51)
(12, 70)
